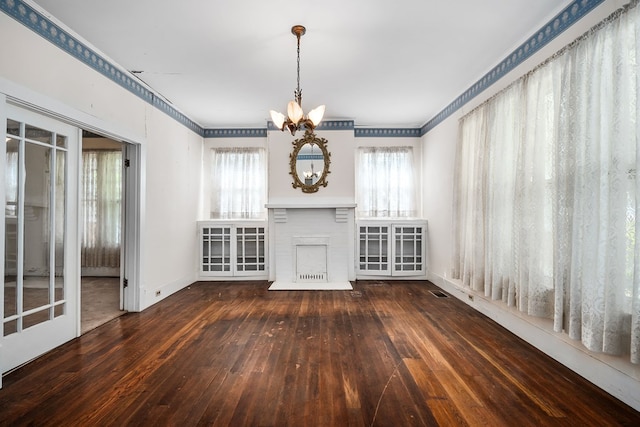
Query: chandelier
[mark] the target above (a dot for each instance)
(295, 118)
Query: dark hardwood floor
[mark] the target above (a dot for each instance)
(384, 354)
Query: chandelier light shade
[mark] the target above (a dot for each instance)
(295, 118)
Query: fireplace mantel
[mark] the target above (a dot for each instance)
(310, 204)
(299, 228)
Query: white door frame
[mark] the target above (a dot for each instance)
(135, 183)
(131, 245)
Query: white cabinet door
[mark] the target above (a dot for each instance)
(374, 249)
(215, 255)
(250, 257)
(408, 249)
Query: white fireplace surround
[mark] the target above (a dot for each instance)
(311, 245)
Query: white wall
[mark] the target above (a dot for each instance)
(34, 68)
(616, 376)
(341, 185)
(173, 163)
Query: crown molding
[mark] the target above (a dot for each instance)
(49, 30)
(387, 132)
(34, 20)
(235, 133)
(563, 20)
(323, 126)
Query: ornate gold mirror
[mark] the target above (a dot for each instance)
(309, 162)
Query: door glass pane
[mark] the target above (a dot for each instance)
(10, 327)
(35, 318)
(36, 134)
(61, 141)
(13, 128)
(60, 203)
(37, 231)
(58, 310)
(11, 229)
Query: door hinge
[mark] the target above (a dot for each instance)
(127, 163)
(125, 283)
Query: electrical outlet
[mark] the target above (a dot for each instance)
(157, 293)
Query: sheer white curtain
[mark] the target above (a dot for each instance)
(597, 153)
(546, 191)
(238, 183)
(101, 201)
(385, 182)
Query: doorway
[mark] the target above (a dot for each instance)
(40, 232)
(102, 220)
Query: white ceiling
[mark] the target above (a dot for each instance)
(225, 63)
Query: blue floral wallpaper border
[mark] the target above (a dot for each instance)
(32, 19)
(566, 18)
(40, 24)
(388, 132)
(324, 125)
(235, 133)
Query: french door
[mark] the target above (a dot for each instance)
(41, 273)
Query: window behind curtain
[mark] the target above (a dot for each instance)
(101, 202)
(385, 182)
(547, 192)
(238, 186)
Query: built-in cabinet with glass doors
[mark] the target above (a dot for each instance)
(232, 249)
(391, 248)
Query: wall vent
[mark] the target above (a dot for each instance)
(317, 277)
(439, 294)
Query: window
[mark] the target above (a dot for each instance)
(101, 202)
(385, 182)
(238, 183)
(546, 191)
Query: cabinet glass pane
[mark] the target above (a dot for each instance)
(250, 248)
(374, 246)
(216, 249)
(408, 249)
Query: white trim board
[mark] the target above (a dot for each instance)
(323, 286)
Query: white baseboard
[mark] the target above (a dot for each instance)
(148, 297)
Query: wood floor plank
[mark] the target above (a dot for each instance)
(233, 353)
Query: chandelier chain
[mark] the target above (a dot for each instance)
(298, 92)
